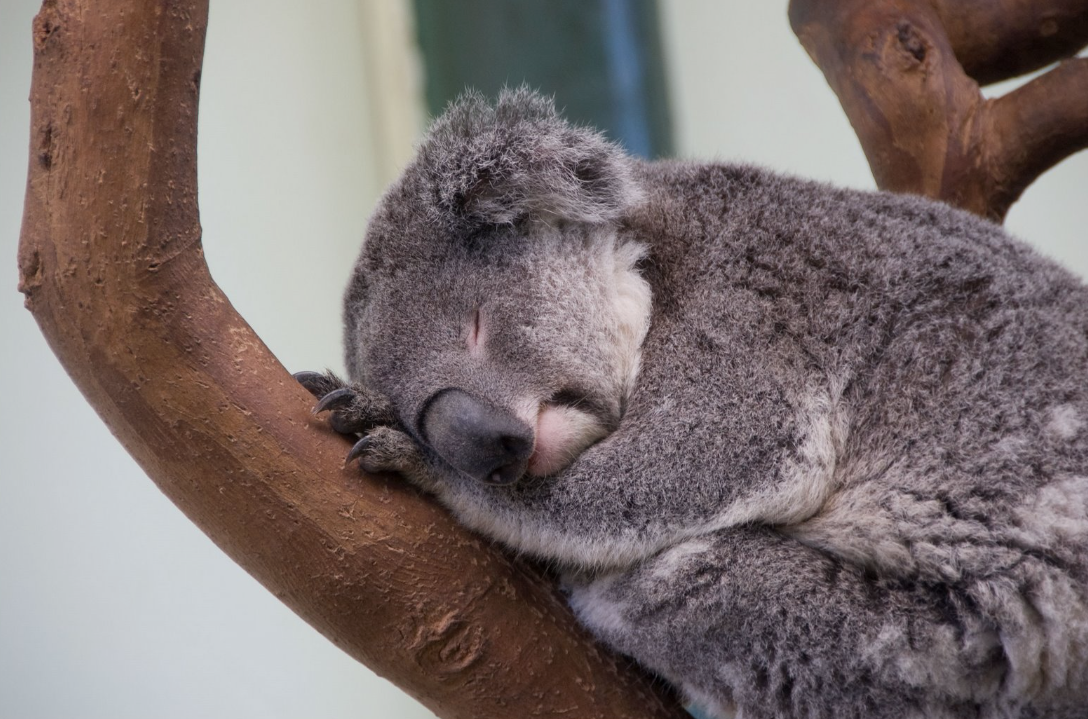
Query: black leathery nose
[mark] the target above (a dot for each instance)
(476, 437)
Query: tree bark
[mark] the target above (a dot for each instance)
(112, 268)
(907, 73)
(998, 39)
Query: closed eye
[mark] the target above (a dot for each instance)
(475, 333)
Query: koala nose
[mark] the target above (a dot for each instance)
(476, 437)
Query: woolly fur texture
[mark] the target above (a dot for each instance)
(839, 459)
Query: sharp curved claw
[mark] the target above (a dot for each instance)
(337, 398)
(306, 377)
(357, 451)
(315, 383)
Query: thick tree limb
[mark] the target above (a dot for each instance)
(112, 267)
(1055, 108)
(922, 121)
(998, 39)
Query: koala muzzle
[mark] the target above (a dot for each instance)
(476, 437)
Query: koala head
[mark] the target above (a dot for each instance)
(494, 302)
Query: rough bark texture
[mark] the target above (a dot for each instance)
(907, 73)
(999, 39)
(112, 268)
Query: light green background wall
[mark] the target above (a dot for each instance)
(111, 603)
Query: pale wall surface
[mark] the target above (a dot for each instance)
(111, 603)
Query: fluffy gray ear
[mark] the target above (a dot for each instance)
(497, 165)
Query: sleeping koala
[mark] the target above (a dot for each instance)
(803, 452)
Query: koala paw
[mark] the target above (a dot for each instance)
(354, 410)
(385, 449)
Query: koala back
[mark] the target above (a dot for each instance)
(933, 373)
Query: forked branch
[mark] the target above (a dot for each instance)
(907, 73)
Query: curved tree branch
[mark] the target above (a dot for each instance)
(998, 39)
(922, 121)
(1036, 126)
(112, 268)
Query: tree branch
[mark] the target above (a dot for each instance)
(112, 268)
(1037, 126)
(923, 123)
(998, 39)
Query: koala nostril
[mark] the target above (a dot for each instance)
(518, 446)
(518, 449)
(476, 437)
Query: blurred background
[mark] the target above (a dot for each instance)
(111, 603)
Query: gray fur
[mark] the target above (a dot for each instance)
(845, 473)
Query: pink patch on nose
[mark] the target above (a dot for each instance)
(556, 439)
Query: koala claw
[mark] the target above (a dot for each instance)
(306, 376)
(316, 383)
(353, 409)
(359, 449)
(385, 449)
(335, 400)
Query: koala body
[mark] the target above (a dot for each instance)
(803, 452)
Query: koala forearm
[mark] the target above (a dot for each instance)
(611, 506)
(760, 452)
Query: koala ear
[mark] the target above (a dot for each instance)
(498, 165)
